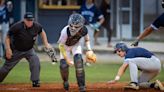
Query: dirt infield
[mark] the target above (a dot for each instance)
(54, 87)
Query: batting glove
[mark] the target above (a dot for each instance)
(95, 26)
(135, 43)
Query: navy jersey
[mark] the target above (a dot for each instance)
(137, 52)
(4, 15)
(159, 22)
(91, 14)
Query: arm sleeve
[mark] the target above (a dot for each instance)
(62, 49)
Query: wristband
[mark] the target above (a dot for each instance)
(117, 78)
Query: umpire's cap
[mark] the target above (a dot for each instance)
(29, 16)
(120, 46)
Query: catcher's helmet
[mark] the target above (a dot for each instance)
(76, 19)
(120, 46)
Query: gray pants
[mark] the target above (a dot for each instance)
(4, 27)
(150, 68)
(32, 58)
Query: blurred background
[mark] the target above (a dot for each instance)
(128, 17)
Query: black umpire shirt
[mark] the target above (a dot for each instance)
(23, 38)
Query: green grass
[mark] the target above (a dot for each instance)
(51, 73)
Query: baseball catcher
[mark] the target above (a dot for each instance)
(71, 50)
(51, 53)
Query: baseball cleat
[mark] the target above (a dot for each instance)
(35, 84)
(159, 85)
(132, 85)
(66, 86)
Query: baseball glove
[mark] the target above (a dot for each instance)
(51, 53)
(90, 57)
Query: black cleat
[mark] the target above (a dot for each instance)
(82, 89)
(35, 84)
(66, 86)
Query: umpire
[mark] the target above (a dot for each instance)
(19, 44)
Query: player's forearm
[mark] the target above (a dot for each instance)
(44, 39)
(88, 46)
(87, 43)
(62, 50)
(7, 42)
(146, 32)
(121, 71)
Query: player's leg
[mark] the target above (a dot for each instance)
(78, 62)
(9, 64)
(64, 71)
(34, 63)
(64, 68)
(96, 34)
(80, 74)
(106, 25)
(145, 77)
(5, 28)
(133, 75)
(149, 72)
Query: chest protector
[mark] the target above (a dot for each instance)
(72, 40)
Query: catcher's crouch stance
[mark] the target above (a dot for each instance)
(69, 43)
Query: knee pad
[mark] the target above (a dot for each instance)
(64, 70)
(78, 61)
(79, 65)
(80, 73)
(63, 64)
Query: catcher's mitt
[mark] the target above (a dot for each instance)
(51, 53)
(90, 57)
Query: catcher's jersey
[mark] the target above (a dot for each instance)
(159, 22)
(67, 39)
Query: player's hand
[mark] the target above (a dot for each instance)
(69, 62)
(48, 46)
(112, 82)
(8, 53)
(95, 26)
(135, 43)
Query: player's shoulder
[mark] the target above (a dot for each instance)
(85, 30)
(64, 30)
(17, 25)
(37, 24)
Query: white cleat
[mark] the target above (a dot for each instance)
(132, 86)
(159, 85)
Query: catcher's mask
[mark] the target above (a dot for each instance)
(120, 46)
(75, 22)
